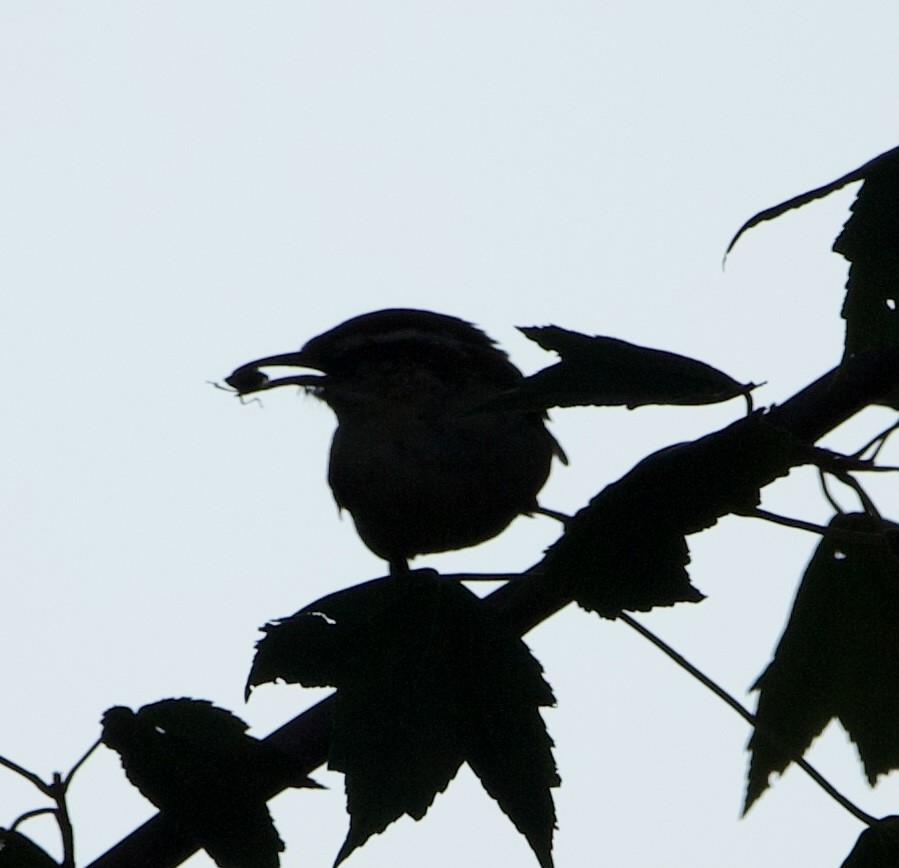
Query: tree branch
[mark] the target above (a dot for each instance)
(867, 378)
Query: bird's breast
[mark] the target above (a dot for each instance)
(419, 483)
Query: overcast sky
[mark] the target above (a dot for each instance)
(187, 186)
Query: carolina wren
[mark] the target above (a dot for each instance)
(413, 461)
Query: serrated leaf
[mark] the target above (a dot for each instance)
(870, 241)
(427, 677)
(774, 211)
(508, 747)
(838, 656)
(196, 762)
(604, 371)
(626, 551)
(877, 846)
(303, 649)
(18, 851)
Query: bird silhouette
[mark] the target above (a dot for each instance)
(414, 461)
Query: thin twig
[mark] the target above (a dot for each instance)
(37, 812)
(29, 776)
(749, 717)
(68, 778)
(880, 440)
(851, 482)
(552, 513)
(56, 791)
(825, 490)
(482, 577)
(64, 821)
(785, 520)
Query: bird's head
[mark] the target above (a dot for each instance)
(391, 359)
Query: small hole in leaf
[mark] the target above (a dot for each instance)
(839, 556)
(891, 303)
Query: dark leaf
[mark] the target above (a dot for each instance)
(427, 677)
(508, 747)
(838, 656)
(858, 174)
(877, 846)
(17, 851)
(627, 550)
(870, 241)
(604, 371)
(196, 762)
(307, 648)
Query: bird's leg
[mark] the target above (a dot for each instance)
(399, 567)
(551, 513)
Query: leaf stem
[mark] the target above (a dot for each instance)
(482, 577)
(64, 821)
(880, 440)
(867, 504)
(749, 717)
(561, 517)
(828, 495)
(29, 776)
(37, 812)
(785, 520)
(68, 778)
(56, 790)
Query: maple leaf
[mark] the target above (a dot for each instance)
(877, 846)
(838, 656)
(626, 550)
(19, 851)
(196, 762)
(427, 678)
(870, 242)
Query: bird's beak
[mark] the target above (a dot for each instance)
(248, 378)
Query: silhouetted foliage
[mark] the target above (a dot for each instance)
(196, 762)
(627, 550)
(838, 656)
(877, 846)
(870, 241)
(603, 371)
(427, 678)
(17, 851)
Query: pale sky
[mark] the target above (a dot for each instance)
(187, 186)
